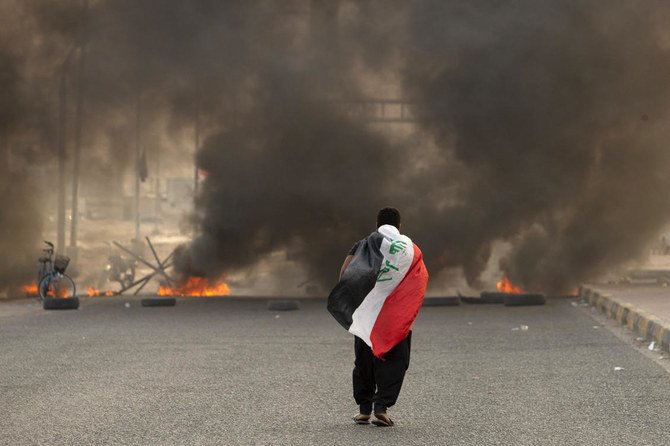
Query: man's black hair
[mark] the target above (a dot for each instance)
(388, 216)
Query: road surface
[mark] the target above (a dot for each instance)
(231, 372)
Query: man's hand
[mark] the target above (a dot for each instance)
(346, 263)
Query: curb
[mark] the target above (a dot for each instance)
(639, 321)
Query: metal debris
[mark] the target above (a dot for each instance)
(159, 269)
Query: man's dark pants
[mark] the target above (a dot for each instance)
(378, 381)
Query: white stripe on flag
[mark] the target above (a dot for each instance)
(394, 268)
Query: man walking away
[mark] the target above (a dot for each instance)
(382, 284)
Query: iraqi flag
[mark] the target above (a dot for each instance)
(381, 290)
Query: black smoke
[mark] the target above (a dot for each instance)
(538, 123)
(297, 176)
(557, 112)
(20, 218)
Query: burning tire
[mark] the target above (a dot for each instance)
(518, 300)
(448, 301)
(283, 305)
(60, 303)
(159, 302)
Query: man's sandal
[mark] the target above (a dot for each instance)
(361, 419)
(382, 420)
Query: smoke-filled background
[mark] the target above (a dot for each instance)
(538, 125)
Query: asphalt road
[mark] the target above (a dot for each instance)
(231, 372)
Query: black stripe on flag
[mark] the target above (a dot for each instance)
(358, 279)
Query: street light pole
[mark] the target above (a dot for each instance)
(138, 154)
(158, 182)
(62, 141)
(196, 173)
(79, 116)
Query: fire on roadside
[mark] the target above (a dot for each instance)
(51, 292)
(64, 293)
(505, 285)
(30, 290)
(196, 286)
(94, 292)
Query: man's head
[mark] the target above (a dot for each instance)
(388, 216)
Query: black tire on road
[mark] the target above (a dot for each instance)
(474, 300)
(492, 298)
(60, 303)
(447, 301)
(159, 302)
(518, 300)
(283, 305)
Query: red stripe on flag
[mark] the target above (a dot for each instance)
(400, 308)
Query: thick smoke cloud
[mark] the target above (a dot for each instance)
(19, 219)
(25, 124)
(26, 127)
(557, 112)
(295, 172)
(553, 112)
(299, 177)
(539, 123)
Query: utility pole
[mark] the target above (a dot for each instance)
(196, 173)
(62, 141)
(158, 181)
(138, 154)
(79, 116)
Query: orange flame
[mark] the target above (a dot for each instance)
(94, 292)
(504, 285)
(62, 292)
(30, 290)
(196, 286)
